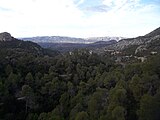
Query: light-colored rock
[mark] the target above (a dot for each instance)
(5, 36)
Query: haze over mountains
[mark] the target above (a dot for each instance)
(62, 39)
(65, 44)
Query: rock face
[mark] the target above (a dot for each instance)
(5, 36)
(128, 42)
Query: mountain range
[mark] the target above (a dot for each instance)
(65, 44)
(142, 45)
(61, 39)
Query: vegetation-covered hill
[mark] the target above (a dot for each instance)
(79, 85)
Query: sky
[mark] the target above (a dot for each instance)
(79, 18)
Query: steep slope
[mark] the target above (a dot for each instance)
(122, 44)
(138, 44)
(10, 45)
(153, 33)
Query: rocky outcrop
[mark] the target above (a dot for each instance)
(141, 41)
(130, 42)
(5, 36)
(141, 48)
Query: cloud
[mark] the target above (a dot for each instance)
(38, 16)
(108, 5)
(122, 4)
(127, 18)
(79, 2)
(99, 8)
(80, 18)
(5, 9)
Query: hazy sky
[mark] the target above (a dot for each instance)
(79, 18)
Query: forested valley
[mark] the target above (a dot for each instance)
(76, 86)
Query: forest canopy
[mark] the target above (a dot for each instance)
(77, 86)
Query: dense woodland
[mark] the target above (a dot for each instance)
(77, 86)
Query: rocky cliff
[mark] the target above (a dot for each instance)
(5, 36)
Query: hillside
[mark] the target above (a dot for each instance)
(10, 45)
(77, 85)
(139, 44)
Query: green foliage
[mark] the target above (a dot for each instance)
(29, 79)
(8, 70)
(43, 116)
(118, 113)
(149, 108)
(32, 116)
(136, 87)
(96, 103)
(82, 116)
(77, 86)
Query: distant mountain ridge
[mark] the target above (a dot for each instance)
(65, 44)
(54, 39)
(65, 47)
(61, 39)
(139, 45)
